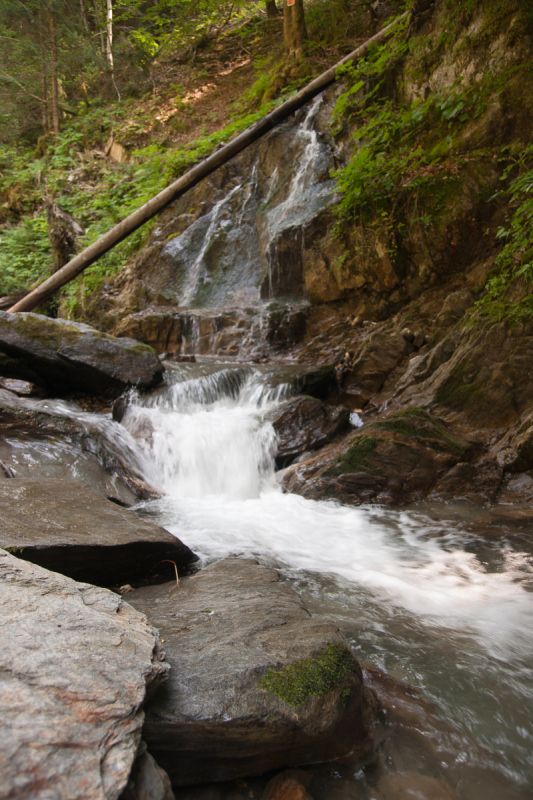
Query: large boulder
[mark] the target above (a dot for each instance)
(66, 527)
(76, 664)
(256, 683)
(305, 423)
(71, 356)
(399, 458)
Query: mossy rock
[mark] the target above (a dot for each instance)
(310, 676)
(411, 426)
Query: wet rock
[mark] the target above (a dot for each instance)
(479, 482)
(256, 683)
(316, 381)
(417, 751)
(70, 356)
(306, 423)
(65, 527)
(376, 359)
(147, 780)
(488, 379)
(83, 448)
(76, 665)
(21, 388)
(419, 340)
(396, 459)
(408, 334)
(286, 787)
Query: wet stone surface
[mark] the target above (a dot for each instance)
(230, 632)
(66, 527)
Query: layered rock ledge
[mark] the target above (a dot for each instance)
(71, 356)
(66, 527)
(256, 683)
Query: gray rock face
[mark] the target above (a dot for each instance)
(71, 356)
(256, 683)
(306, 423)
(76, 664)
(61, 445)
(66, 527)
(147, 780)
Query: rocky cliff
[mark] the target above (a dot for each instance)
(396, 266)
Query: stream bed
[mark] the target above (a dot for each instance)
(419, 592)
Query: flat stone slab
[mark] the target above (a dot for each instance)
(71, 356)
(76, 664)
(66, 527)
(256, 684)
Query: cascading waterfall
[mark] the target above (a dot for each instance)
(401, 583)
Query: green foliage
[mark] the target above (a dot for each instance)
(516, 257)
(25, 255)
(310, 676)
(356, 459)
(96, 192)
(397, 150)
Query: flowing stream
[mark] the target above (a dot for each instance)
(415, 591)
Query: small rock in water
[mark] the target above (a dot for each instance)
(22, 388)
(288, 785)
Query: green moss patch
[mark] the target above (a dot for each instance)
(310, 676)
(416, 423)
(459, 394)
(356, 459)
(139, 350)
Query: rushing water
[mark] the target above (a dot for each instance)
(415, 591)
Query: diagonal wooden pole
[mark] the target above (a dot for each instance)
(192, 177)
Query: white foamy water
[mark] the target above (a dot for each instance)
(211, 450)
(208, 444)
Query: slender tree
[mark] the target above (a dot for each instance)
(54, 78)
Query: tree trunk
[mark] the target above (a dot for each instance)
(99, 26)
(272, 9)
(109, 37)
(44, 79)
(55, 84)
(193, 177)
(294, 30)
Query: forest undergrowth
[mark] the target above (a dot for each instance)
(199, 92)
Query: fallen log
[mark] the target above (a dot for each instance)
(192, 177)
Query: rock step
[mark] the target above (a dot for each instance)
(71, 356)
(66, 527)
(256, 684)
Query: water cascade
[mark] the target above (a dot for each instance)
(413, 591)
